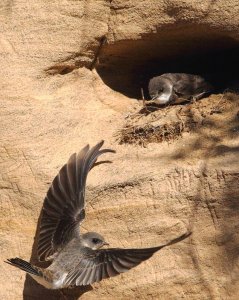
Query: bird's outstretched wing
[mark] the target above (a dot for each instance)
(64, 205)
(99, 264)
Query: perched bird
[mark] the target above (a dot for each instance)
(178, 87)
(77, 259)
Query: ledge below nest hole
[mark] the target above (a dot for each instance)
(170, 123)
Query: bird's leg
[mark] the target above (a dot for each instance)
(194, 99)
(197, 97)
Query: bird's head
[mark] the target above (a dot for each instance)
(160, 90)
(93, 240)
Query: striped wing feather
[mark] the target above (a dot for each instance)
(104, 263)
(64, 205)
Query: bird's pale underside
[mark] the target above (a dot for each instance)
(178, 87)
(77, 259)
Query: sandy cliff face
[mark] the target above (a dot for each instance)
(69, 76)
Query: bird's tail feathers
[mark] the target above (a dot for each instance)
(25, 266)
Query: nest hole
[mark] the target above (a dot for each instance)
(126, 66)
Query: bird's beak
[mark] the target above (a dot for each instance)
(154, 97)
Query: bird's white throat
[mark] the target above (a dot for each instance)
(165, 97)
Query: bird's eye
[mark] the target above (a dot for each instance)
(95, 241)
(160, 90)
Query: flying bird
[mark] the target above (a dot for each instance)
(77, 259)
(178, 87)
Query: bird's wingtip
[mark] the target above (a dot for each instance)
(101, 143)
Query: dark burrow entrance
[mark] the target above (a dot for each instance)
(126, 66)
